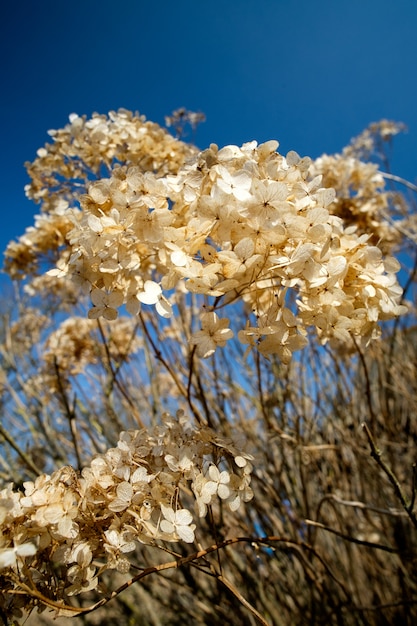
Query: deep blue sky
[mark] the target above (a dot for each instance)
(309, 73)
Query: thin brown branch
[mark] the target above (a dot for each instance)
(22, 455)
(241, 599)
(70, 413)
(367, 383)
(368, 544)
(71, 611)
(159, 356)
(115, 379)
(377, 455)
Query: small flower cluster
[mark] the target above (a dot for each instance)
(91, 146)
(39, 243)
(180, 118)
(361, 197)
(73, 346)
(137, 492)
(80, 152)
(373, 141)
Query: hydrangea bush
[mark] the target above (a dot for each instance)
(198, 248)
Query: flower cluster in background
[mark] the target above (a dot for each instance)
(86, 149)
(362, 199)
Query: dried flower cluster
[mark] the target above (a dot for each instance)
(74, 346)
(229, 224)
(137, 492)
(237, 223)
(372, 141)
(81, 151)
(362, 199)
(181, 118)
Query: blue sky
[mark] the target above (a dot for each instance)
(311, 74)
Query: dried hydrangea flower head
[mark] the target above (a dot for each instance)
(237, 223)
(362, 197)
(85, 150)
(233, 224)
(148, 489)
